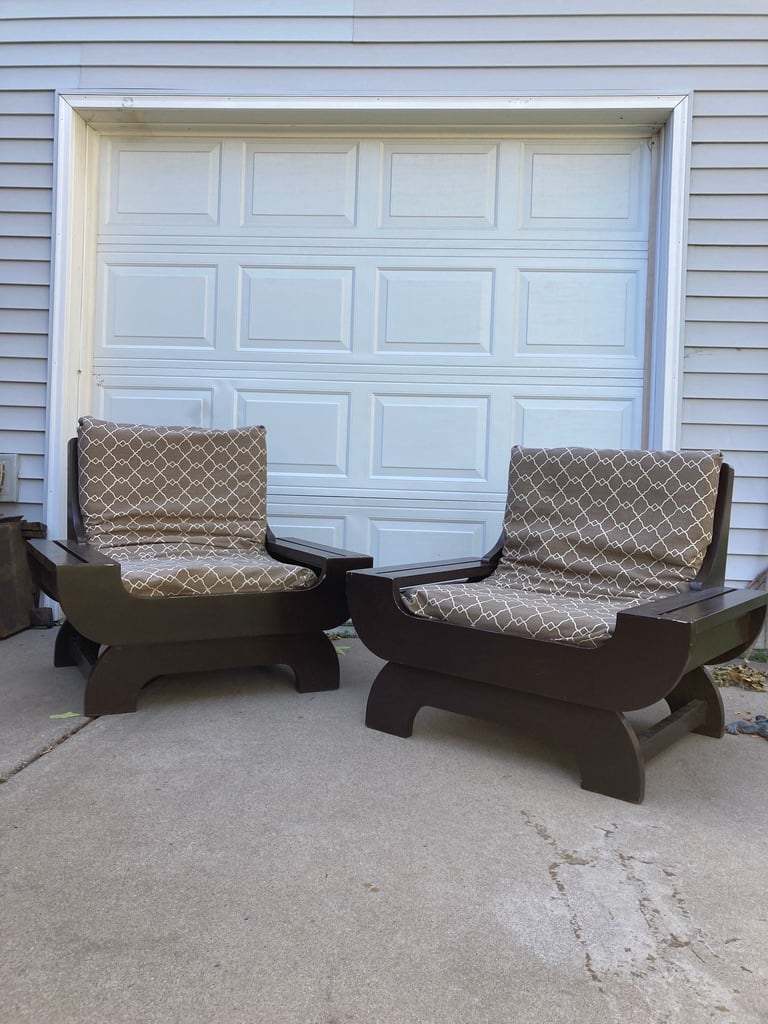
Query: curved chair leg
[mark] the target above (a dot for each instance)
(394, 700)
(71, 647)
(62, 653)
(698, 685)
(314, 661)
(610, 758)
(606, 746)
(116, 680)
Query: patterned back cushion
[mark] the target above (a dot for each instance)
(144, 485)
(606, 523)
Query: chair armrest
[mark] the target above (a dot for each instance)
(715, 604)
(375, 599)
(401, 576)
(65, 553)
(86, 552)
(719, 623)
(54, 559)
(315, 556)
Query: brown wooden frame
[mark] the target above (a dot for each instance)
(574, 696)
(123, 641)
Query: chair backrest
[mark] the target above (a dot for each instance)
(139, 484)
(586, 521)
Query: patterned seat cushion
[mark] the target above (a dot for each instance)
(584, 621)
(176, 570)
(586, 533)
(183, 509)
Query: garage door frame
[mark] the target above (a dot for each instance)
(81, 118)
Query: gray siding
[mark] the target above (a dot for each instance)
(26, 179)
(452, 47)
(725, 387)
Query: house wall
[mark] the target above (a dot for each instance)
(418, 47)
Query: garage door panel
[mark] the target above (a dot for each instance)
(307, 431)
(568, 190)
(158, 306)
(430, 437)
(435, 310)
(448, 185)
(396, 538)
(172, 183)
(586, 188)
(589, 421)
(305, 184)
(320, 529)
(181, 406)
(580, 312)
(296, 307)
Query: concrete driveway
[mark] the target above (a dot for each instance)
(238, 853)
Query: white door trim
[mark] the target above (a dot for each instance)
(81, 116)
(668, 293)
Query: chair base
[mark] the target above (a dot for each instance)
(122, 641)
(610, 753)
(117, 674)
(576, 698)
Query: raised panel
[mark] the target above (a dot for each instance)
(168, 182)
(440, 185)
(158, 406)
(430, 437)
(585, 186)
(580, 312)
(320, 529)
(296, 307)
(394, 540)
(588, 422)
(159, 306)
(309, 183)
(435, 311)
(307, 432)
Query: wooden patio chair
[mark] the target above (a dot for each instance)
(604, 595)
(170, 565)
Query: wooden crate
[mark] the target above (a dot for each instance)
(18, 593)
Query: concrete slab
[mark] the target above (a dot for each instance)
(237, 852)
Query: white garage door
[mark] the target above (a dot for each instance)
(397, 311)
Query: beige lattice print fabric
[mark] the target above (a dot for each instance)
(183, 509)
(587, 532)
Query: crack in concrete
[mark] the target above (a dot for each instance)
(566, 857)
(628, 919)
(46, 750)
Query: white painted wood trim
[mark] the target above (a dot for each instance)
(669, 346)
(70, 347)
(67, 279)
(326, 104)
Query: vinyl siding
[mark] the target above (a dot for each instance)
(725, 386)
(26, 181)
(430, 47)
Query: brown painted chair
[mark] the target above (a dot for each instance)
(605, 595)
(170, 565)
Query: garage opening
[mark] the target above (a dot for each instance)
(398, 307)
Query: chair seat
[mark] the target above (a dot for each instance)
(182, 570)
(581, 621)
